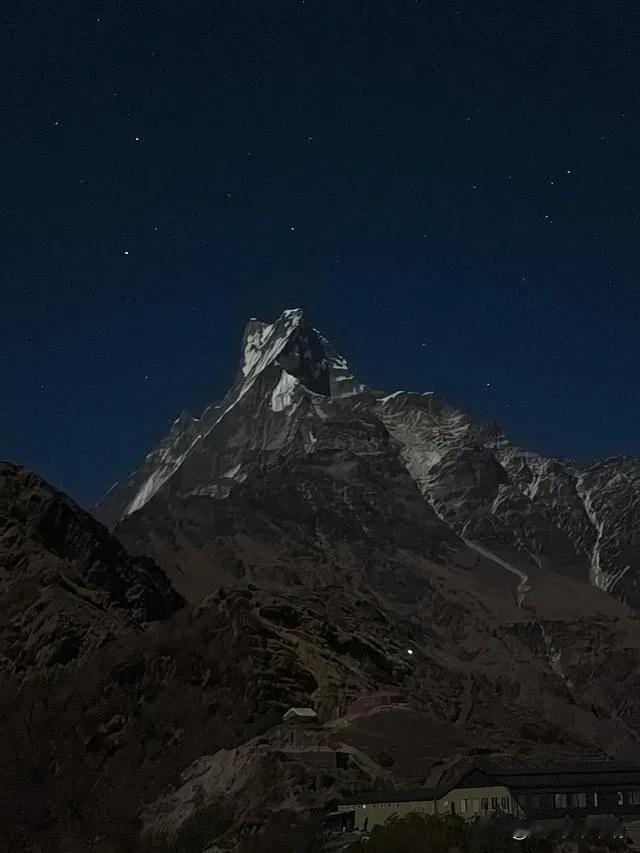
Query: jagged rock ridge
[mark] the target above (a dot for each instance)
(544, 514)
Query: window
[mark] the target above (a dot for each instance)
(634, 798)
(463, 806)
(560, 801)
(578, 800)
(505, 805)
(595, 799)
(494, 804)
(475, 805)
(620, 796)
(484, 804)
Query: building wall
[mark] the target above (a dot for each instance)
(469, 802)
(466, 802)
(374, 814)
(560, 802)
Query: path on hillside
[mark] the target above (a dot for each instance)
(523, 587)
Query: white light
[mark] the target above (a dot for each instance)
(126, 253)
(409, 651)
(521, 834)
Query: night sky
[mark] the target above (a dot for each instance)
(450, 189)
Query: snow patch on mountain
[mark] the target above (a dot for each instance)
(391, 396)
(598, 577)
(157, 479)
(265, 342)
(282, 395)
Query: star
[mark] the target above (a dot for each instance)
(137, 139)
(292, 228)
(126, 252)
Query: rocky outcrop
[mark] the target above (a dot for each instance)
(67, 585)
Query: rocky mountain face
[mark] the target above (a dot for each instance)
(66, 584)
(330, 542)
(293, 390)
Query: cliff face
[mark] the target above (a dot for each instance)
(67, 585)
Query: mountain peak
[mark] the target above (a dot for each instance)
(283, 364)
(263, 342)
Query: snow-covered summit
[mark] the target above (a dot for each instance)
(286, 368)
(263, 342)
(294, 394)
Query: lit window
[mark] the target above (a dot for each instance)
(620, 798)
(463, 805)
(494, 804)
(634, 798)
(578, 800)
(475, 805)
(560, 801)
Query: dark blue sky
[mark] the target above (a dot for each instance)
(462, 181)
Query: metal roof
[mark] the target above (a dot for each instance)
(300, 713)
(596, 773)
(571, 779)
